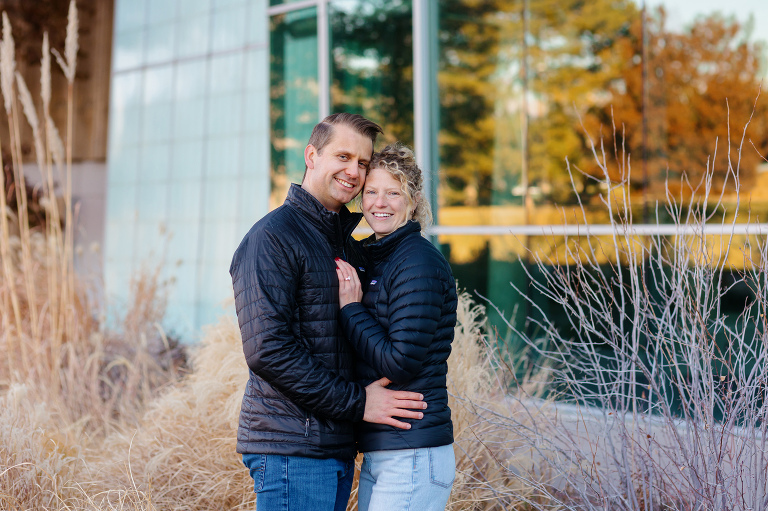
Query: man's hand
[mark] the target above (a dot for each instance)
(382, 405)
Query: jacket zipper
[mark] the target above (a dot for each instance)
(306, 427)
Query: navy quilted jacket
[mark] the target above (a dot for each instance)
(403, 330)
(300, 399)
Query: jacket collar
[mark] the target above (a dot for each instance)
(337, 226)
(382, 248)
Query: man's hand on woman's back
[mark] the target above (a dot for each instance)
(383, 405)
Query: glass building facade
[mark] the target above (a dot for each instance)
(188, 155)
(213, 101)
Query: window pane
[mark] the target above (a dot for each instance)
(160, 12)
(223, 159)
(160, 40)
(372, 63)
(184, 210)
(229, 27)
(705, 64)
(189, 119)
(193, 35)
(294, 99)
(194, 7)
(257, 24)
(158, 85)
(157, 122)
(527, 88)
(480, 94)
(128, 50)
(191, 80)
(130, 14)
(188, 160)
(225, 115)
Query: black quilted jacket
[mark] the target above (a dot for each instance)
(300, 399)
(403, 330)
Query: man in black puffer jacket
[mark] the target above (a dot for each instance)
(296, 420)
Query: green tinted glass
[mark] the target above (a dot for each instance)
(372, 63)
(293, 95)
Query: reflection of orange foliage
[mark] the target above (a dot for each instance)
(701, 89)
(585, 61)
(759, 192)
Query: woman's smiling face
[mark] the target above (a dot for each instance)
(385, 206)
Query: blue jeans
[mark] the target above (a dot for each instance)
(406, 479)
(300, 484)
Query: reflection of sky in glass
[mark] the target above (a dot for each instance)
(681, 13)
(350, 6)
(368, 63)
(365, 8)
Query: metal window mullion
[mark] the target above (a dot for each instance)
(323, 60)
(423, 125)
(601, 230)
(420, 116)
(323, 48)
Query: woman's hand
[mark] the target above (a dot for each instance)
(349, 285)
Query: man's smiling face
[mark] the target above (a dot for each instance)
(336, 174)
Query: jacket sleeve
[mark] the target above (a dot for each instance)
(414, 308)
(265, 278)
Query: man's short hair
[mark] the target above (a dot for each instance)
(323, 131)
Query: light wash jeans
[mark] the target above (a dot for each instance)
(295, 483)
(407, 479)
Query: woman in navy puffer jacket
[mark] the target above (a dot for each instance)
(401, 328)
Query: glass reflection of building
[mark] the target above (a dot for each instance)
(213, 101)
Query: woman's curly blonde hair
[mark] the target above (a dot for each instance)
(398, 160)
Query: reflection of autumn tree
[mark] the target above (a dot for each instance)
(691, 75)
(584, 61)
(372, 64)
(570, 59)
(469, 79)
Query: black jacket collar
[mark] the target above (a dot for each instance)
(382, 248)
(337, 226)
